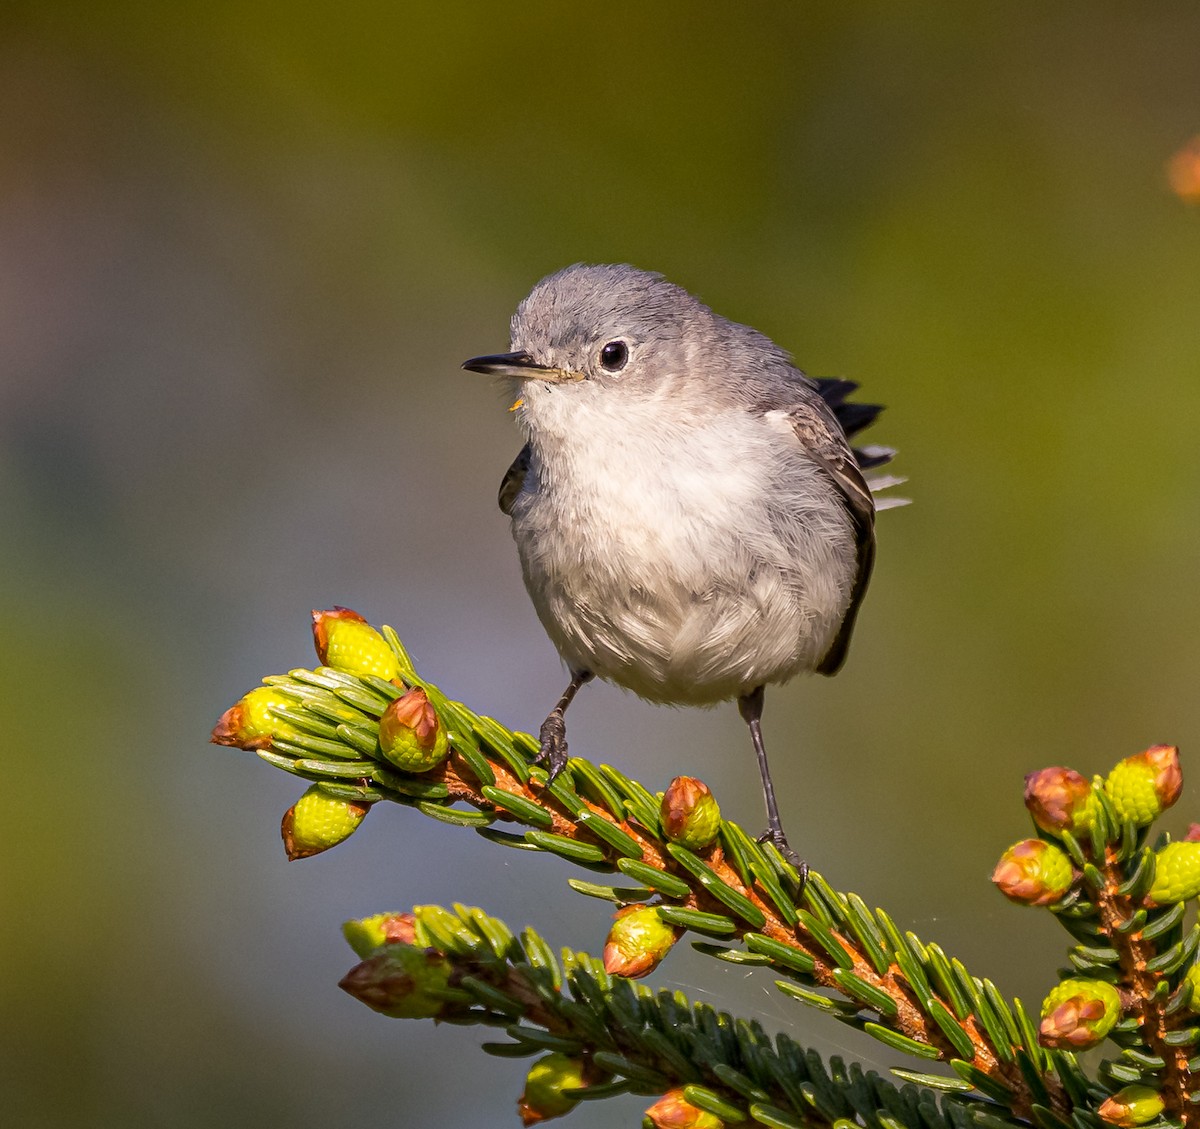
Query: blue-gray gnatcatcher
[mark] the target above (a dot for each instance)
(692, 521)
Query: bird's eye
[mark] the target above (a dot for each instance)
(614, 355)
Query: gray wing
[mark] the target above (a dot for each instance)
(514, 480)
(823, 440)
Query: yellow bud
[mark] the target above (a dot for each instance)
(637, 942)
(1176, 873)
(318, 821)
(673, 1111)
(346, 641)
(690, 815)
(251, 724)
(1078, 1014)
(411, 735)
(543, 1098)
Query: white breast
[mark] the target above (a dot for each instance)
(688, 563)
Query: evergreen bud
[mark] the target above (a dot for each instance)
(1143, 786)
(690, 815)
(1034, 873)
(318, 821)
(410, 735)
(251, 724)
(366, 934)
(1176, 873)
(673, 1111)
(347, 642)
(637, 942)
(544, 1084)
(1059, 799)
(1078, 1014)
(1132, 1106)
(401, 981)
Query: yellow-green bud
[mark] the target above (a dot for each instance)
(318, 821)
(366, 934)
(346, 641)
(1176, 873)
(1142, 787)
(1078, 1014)
(401, 981)
(251, 723)
(544, 1084)
(1059, 799)
(1132, 1106)
(1034, 873)
(410, 734)
(673, 1111)
(690, 815)
(637, 942)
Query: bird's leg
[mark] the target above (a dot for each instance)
(553, 733)
(750, 706)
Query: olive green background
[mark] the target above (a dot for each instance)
(244, 248)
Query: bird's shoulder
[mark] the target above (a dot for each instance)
(806, 417)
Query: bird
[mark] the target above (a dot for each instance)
(692, 522)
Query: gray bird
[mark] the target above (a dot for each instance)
(692, 521)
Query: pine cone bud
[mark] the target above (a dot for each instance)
(1142, 787)
(1034, 873)
(410, 734)
(318, 821)
(544, 1084)
(672, 1111)
(637, 942)
(346, 641)
(366, 934)
(401, 981)
(1176, 874)
(1079, 1014)
(250, 724)
(1059, 799)
(1132, 1106)
(690, 815)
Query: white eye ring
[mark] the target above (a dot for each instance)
(614, 356)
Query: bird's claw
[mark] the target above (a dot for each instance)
(777, 839)
(553, 753)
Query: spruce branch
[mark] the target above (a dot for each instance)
(470, 969)
(365, 727)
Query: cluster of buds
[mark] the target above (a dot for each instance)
(1140, 788)
(411, 735)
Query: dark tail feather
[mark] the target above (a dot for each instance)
(853, 418)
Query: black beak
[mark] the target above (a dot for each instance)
(519, 366)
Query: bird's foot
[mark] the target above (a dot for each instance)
(777, 839)
(553, 753)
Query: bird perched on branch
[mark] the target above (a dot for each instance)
(692, 522)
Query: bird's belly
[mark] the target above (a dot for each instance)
(683, 603)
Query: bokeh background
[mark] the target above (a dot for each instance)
(244, 247)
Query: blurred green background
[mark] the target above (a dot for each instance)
(245, 247)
